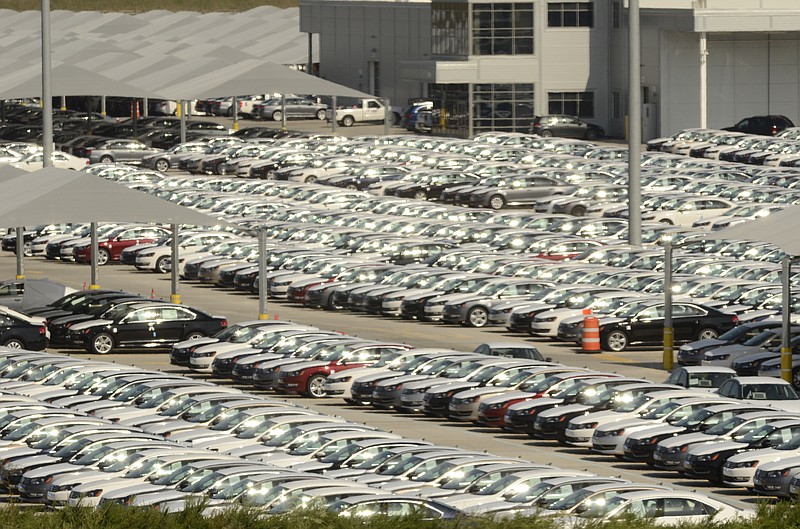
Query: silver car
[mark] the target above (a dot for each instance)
(119, 150)
(296, 107)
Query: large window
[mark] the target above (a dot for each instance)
(504, 107)
(502, 29)
(570, 14)
(449, 29)
(579, 104)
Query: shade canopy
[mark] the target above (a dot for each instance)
(53, 195)
(69, 80)
(780, 228)
(255, 77)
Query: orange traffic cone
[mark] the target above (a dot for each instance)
(152, 293)
(590, 340)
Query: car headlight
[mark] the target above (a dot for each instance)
(293, 373)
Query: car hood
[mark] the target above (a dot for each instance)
(686, 438)
(702, 344)
(509, 395)
(733, 349)
(569, 408)
(712, 447)
(542, 402)
(403, 379)
(481, 392)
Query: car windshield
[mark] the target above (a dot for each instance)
(726, 426)
(761, 338)
(599, 508)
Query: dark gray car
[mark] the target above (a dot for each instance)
(119, 150)
(520, 191)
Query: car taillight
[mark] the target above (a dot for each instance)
(537, 125)
(774, 130)
(42, 330)
(224, 323)
(87, 152)
(735, 320)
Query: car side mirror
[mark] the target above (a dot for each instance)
(548, 358)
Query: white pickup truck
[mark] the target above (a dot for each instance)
(367, 110)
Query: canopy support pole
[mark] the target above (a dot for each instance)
(182, 109)
(175, 296)
(669, 336)
(47, 93)
(93, 285)
(283, 111)
(333, 115)
(388, 117)
(235, 107)
(262, 275)
(786, 311)
(20, 253)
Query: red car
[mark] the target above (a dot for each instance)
(110, 248)
(308, 378)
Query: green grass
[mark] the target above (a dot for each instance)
(140, 6)
(782, 515)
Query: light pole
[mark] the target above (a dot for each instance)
(262, 274)
(634, 126)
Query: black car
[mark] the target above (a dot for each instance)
(691, 354)
(764, 125)
(566, 127)
(18, 331)
(643, 324)
(147, 325)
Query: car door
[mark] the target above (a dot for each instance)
(171, 324)
(572, 127)
(648, 325)
(137, 328)
(687, 320)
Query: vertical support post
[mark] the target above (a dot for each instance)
(20, 253)
(635, 132)
(669, 336)
(388, 116)
(103, 105)
(145, 107)
(703, 81)
(93, 284)
(262, 275)
(283, 111)
(310, 60)
(47, 93)
(63, 102)
(235, 107)
(786, 311)
(175, 296)
(182, 108)
(333, 115)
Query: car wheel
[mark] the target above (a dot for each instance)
(106, 159)
(311, 179)
(348, 121)
(707, 333)
(230, 112)
(615, 341)
(316, 387)
(14, 343)
(194, 335)
(666, 221)
(27, 251)
(101, 344)
(162, 165)
(420, 195)
(103, 257)
(352, 186)
(579, 211)
(591, 135)
(497, 202)
(277, 115)
(396, 118)
(161, 265)
(477, 317)
(546, 133)
(321, 115)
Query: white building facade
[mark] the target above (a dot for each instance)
(494, 65)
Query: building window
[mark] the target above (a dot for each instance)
(503, 107)
(616, 104)
(579, 104)
(570, 14)
(616, 15)
(449, 29)
(502, 29)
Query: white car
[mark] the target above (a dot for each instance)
(61, 160)
(685, 211)
(154, 259)
(667, 508)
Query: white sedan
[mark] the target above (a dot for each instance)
(61, 160)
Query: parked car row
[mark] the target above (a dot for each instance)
(90, 434)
